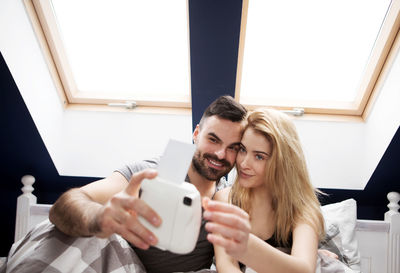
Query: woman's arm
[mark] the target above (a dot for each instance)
(262, 257)
(229, 231)
(224, 262)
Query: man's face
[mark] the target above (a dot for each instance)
(217, 145)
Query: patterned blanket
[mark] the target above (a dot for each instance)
(46, 249)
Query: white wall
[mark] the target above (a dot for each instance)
(339, 154)
(81, 143)
(345, 154)
(334, 152)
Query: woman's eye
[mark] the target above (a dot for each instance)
(242, 150)
(259, 157)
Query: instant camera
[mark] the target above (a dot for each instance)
(177, 202)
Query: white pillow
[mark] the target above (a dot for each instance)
(344, 216)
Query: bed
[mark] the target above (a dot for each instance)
(375, 245)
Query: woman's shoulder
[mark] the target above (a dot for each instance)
(222, 195)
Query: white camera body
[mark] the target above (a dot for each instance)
(179, 206)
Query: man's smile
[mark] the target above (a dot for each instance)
(215, 164)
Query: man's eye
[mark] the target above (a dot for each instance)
(213, 140)
(234, 148)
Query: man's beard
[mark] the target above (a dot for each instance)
(200, 165)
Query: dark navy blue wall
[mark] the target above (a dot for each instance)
(214, 36)
(23, 152)
(214, 41)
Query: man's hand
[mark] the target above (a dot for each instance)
(120, 214)
(229, 226)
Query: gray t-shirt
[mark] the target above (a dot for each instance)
(160, 261)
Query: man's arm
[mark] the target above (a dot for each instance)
(107, 206)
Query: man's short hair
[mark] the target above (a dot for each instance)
(225, 107)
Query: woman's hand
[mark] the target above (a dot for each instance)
(229, 226)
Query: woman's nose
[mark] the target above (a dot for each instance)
(243, 162)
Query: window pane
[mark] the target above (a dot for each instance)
(135, 48)
(308, 50)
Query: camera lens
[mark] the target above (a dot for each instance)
(187, 201)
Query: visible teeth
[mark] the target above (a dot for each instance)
(215, 163)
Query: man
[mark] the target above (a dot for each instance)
(111, 205)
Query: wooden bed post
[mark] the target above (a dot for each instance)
(393, 216)
(23, 207)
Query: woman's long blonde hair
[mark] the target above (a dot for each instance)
(294, 199)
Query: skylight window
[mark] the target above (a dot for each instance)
(322, 57)
(312, 54)
(123, 50)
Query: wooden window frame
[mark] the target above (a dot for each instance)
(367, 89)
(44, 24)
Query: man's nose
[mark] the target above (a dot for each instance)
(220, 153)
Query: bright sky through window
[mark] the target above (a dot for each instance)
(137, 49)
(308, 50)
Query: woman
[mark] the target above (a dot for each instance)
(274, 204)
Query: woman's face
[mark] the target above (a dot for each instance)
(252, 159)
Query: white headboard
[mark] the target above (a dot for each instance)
(379, 241)
(29, 213)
